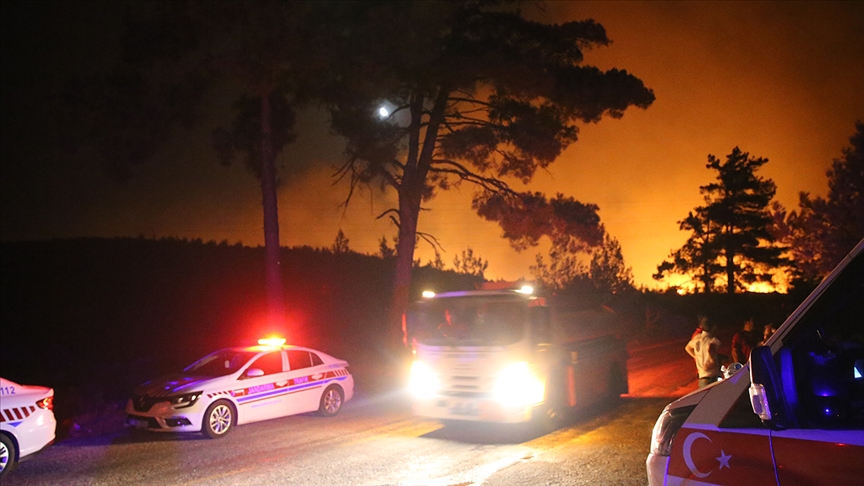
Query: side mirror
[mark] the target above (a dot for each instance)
(766, 390)
(254, 372)
(731, 369)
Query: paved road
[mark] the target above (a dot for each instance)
(375, 441)
(661, 369)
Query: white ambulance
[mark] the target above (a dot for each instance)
(27, 421)
(793, 415)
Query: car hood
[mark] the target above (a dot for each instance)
(172, 384)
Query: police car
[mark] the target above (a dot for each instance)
(26, 421)
(793, 415)
(235, 386)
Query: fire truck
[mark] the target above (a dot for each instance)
(510, 356)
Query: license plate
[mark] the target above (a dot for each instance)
(491, 411)
(137, 423)
(468, 409)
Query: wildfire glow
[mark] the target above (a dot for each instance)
(766, 287)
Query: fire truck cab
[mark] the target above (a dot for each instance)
(507, 356)
(793, 415)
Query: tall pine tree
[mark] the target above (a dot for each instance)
(434, 95)
(823, 229)
(730, 234)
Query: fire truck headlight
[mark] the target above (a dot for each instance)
(423, 382)
(518, 386)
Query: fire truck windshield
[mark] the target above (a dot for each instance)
(473, 321)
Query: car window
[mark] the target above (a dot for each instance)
(220, 363)
(316, 361)
(298, 360)
(270, 363)
(825, 354)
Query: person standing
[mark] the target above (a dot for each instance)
(767, 332)
(743, 341)
(703, 348)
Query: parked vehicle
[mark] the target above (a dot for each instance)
(240, 385)
(507, 356)
(27, 423)
(793, 415)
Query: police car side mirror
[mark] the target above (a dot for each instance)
(766, 397)
(254, 372)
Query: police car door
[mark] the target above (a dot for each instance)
(306, 380)
(263, 396)
(821, 365)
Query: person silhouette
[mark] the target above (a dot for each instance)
(703, 348)
(743, 341)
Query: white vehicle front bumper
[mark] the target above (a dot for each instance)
(162, 417)
(656, 467)
(477, 410)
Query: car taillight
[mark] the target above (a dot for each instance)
(46, 403)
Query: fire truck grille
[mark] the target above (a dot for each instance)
(464, 386)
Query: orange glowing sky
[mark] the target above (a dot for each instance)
(782, 80)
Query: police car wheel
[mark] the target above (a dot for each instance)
(219, 419)
(7, 455)
(331, 401)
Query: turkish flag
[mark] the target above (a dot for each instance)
(708, 455)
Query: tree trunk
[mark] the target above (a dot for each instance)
(408, 213)
(730, 271)
(410, 192)
(272, 265)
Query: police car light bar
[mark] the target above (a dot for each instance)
(274, 342)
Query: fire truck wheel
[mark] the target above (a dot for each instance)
(617, 383)
(547, 419)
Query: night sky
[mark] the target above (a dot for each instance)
(781, 80)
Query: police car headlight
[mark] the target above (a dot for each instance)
(185, 400)
(516, 385)
(667, 425)
(424, 382)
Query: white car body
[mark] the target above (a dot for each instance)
(262, 382)
(26, 418)
(811, 429)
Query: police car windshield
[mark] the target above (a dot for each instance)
(469, 321)
(220, 363)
